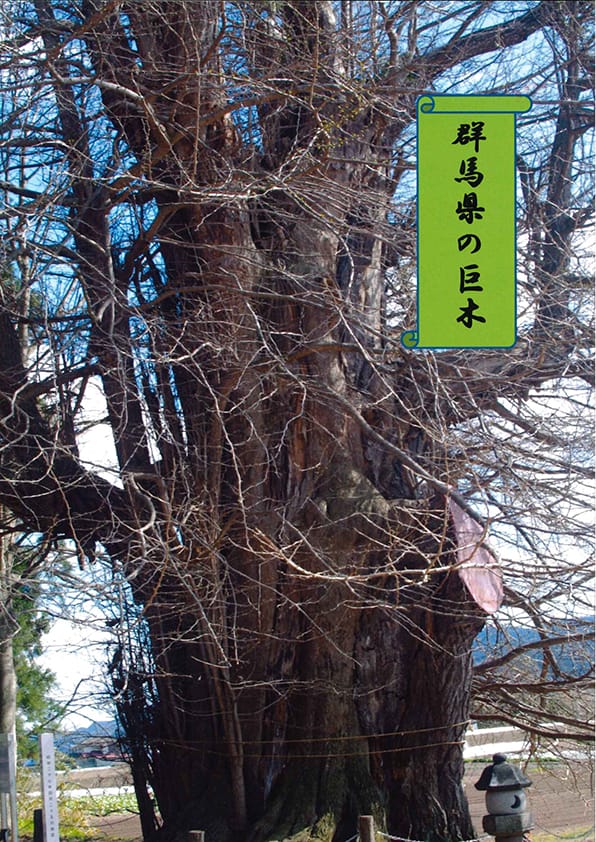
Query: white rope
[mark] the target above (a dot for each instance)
(404, 839)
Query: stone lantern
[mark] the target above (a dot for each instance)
(506, 801)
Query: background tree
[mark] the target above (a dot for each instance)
(216, 200)
(26, 702)
(36, 706)
(27, 705)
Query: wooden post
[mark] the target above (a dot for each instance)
(8, 787)
(38, 826)
(366, 828)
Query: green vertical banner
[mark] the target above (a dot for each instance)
(466, 222)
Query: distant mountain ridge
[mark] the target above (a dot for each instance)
(574, 657)
(99, 730)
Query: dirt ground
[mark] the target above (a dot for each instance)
(560, 802)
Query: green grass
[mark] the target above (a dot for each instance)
(76, 815)
(105, 805)
(576, 834)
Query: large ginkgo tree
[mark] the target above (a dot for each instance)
(215, 203)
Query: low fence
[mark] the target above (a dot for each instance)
(366, 833)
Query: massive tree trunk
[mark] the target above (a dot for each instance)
(284, 519)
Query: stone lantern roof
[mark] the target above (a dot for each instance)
(501, 775)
